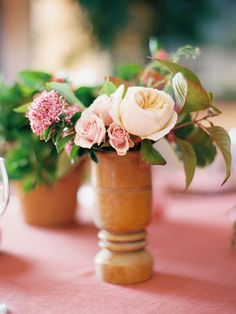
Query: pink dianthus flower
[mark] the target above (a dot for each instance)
(45, 110)
(70, 111)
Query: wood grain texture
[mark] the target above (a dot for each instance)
(123, 209)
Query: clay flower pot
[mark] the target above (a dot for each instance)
(123, 209)
(51, 205)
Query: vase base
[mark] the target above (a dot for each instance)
(123, 268)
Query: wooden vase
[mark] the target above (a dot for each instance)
(51, 205)
(123, 209)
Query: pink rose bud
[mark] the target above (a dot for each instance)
(162, 54)
(119, 139)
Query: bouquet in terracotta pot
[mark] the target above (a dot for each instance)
(38, 173)
(119, 131)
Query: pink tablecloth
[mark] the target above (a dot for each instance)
(51, 271)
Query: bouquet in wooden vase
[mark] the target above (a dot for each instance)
(118, 130)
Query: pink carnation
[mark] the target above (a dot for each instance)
(45, 110)
(119, 139)
(70, 111)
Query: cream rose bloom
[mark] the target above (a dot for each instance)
(145, 112)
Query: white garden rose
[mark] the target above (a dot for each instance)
(146, 112)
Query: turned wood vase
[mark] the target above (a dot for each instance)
(123, 201)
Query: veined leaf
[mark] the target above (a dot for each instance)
(176, 67)
(150, 155)
(108, 88)
(222, 141)
(64, 89)
(180, 87)
(189, 159)
(196, 99)
(190, 96)
(23, 108)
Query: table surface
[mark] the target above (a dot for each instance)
(51, 271)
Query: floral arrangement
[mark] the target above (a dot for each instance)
(162, 100)
(39, 163)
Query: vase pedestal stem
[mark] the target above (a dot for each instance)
(122, 211)
(123, 258)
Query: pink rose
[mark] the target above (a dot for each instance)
(90, 130)
(119, 139)
(101, 107)
(103, 104)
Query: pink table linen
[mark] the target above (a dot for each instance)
(51, 271)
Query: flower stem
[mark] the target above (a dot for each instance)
(195, 121)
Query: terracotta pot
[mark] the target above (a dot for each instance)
(123, 209)
(51, 205)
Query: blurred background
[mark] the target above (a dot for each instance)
(86, 39)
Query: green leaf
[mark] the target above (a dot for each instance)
(189, 93)
(189, 159)
(128, 72)
(35, 79)
(196, 99)
(150, 155)
(108, 88)
(174, 68)
(23, 108)
(29, 183)
(190, 96)
(93, 156)
(62, 142)
(47, 133)
(74, 152)
(222, 140)
(64, 89)
(86, 94)
(76, 117)
(203, 146)
(184, 131)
